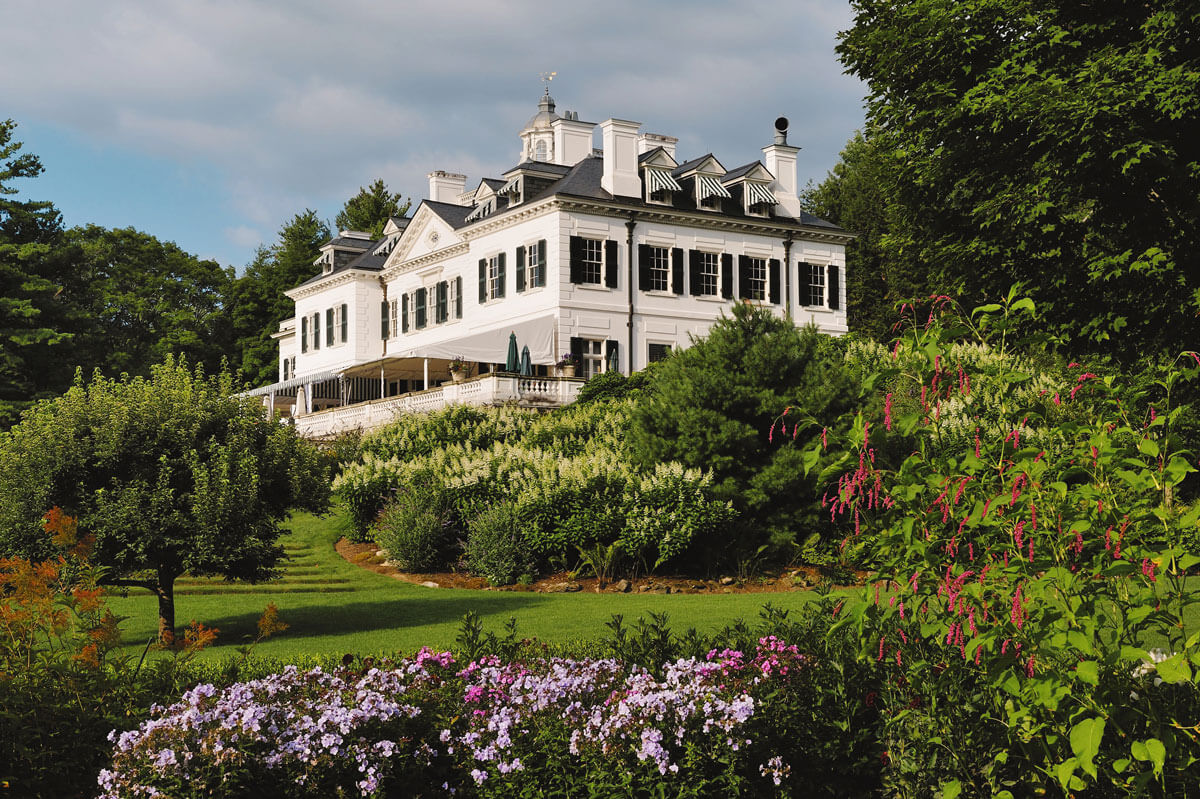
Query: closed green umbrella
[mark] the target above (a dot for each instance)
(526, 362)
(513, 362)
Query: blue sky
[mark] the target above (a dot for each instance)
(209, 123)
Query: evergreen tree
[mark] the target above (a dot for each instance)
(370, 209)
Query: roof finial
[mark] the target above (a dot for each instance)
(546, 77)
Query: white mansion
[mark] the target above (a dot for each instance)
(616, 256)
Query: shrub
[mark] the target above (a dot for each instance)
(496, 545)
(671, 512)
(415, 529)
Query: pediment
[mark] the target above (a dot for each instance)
(709, 165)
(427, 232)
(658, 157)
(756, 172)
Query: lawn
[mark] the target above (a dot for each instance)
(333, 607)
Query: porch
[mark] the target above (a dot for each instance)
(495, 388)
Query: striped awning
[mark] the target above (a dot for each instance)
(295, 382)
(709, 186)
(758, 193)
(660, 180)
(483, 209)
(513, 185)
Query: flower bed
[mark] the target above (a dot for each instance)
(488, 728)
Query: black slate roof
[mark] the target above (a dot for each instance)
(688, 165)
(737, 172)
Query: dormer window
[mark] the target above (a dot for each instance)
(659, 185)
(513, 190)
(758, 198)
(485, 208)
(709, 192)
(541, 152)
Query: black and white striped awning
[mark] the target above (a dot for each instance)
(709, 186)
(660, 180)
(758, 193)
(513, 185)
(483, 209)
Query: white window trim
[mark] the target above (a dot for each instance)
(493, 277)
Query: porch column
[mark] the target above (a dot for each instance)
(382, 383)
(271, 405)
(426, 383)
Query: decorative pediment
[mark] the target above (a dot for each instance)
(427, 232)
(705, 165)
(753, 171)
(658, 157)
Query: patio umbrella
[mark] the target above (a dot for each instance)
(513, 362)
(526, 362)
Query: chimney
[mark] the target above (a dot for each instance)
(620, 158)
(780, 160)
(648, 141)
(444, 187)
(572, 139)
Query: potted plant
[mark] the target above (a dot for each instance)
(458, 368)
(566, 365)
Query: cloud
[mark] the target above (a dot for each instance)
(295, 105)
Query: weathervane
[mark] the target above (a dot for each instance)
(546, 77)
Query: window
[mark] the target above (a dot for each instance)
(398, 307)
(532, 257)
(593, 357)
(314, 329)
(286, 365)
(658, 265)
(329, 327)
(658, 352)
(593, 260)
(495, 278)
(816, 285)
(541, 152)
(343, 322)
(756, 278)
(706, 273)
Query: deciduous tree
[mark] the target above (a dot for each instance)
(170, 473)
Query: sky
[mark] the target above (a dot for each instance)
(211, 123)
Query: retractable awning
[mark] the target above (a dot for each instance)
(295, 382)
(660, 180)
(490, 345)
(709, 186)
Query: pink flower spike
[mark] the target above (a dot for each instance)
(887, 412)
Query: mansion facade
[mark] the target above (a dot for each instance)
(612, 257)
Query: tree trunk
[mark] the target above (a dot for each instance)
(164, 589)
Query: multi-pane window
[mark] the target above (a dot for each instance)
(709, 274)
(658, 352)
(495, 277)
(756, 278)
(593, 357)
(314, 329)
(659, 268)
(593, 260)
(452, 298)
(535, 270)
(816, 284)
(394, 315)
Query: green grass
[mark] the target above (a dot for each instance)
(333, 607)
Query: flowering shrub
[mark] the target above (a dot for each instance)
(1021, 578)
(555, 726)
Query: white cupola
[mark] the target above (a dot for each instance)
(537, 137)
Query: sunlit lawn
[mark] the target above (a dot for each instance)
(375, 614)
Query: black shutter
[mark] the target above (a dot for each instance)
(316, 326)
(541, 263)
(304, 334)
(611, 359)
(383, 320)
(521, 269)
(500, 275)
(345, 322)
(483, 281)
(727, 276)
(328, 327)
(610, 264)
(694, 262)
(743, 278)
(773, 280)
(643, 267)
(834, 283)
(576, 259)
(804, 282)
(577, 350)
(420, 308)
(442, 312)
(404, 313)
(677, 270)
(458, 297)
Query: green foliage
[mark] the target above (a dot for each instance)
(257, 303)
(370, 209)
(1048, 142)
(413, 529)
(669, 512)
(496, 546)
(1045, 556)
(612, 385)
(712, 409)
(171, 474)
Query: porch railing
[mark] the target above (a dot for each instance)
(491, 389)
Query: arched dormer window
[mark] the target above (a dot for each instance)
(541, 152)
